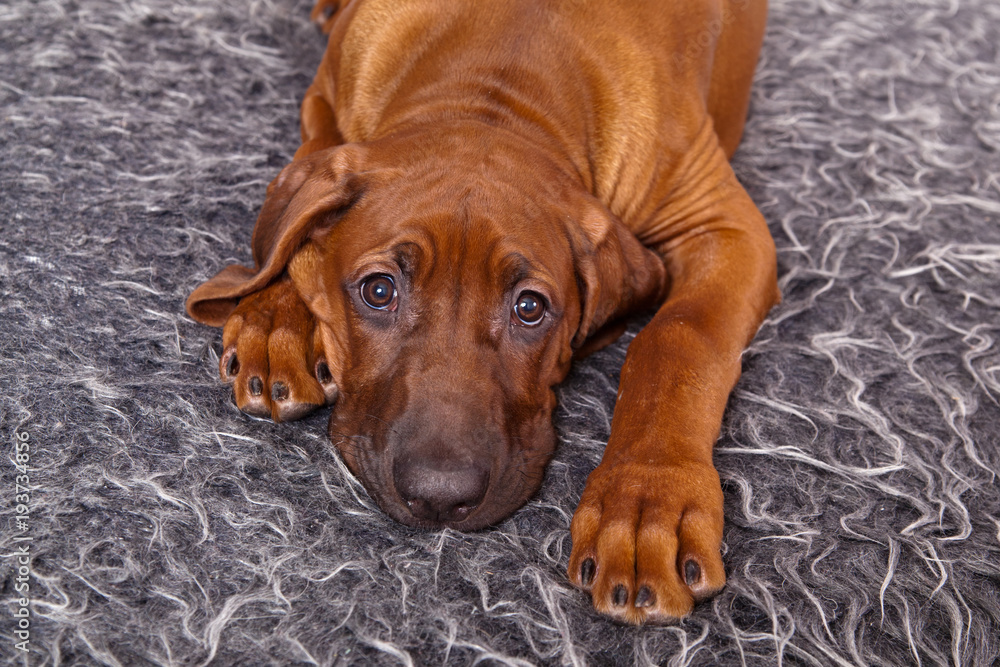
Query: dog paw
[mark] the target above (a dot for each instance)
(273, 357)
(646, 540)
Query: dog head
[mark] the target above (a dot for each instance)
(452, 279)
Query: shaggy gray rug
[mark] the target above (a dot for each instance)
(859, 454)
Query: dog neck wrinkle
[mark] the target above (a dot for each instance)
(491, 132)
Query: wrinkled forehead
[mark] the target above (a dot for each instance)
(508, 240)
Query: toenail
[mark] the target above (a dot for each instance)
(692, 572)
(233, 366)
(256, 386)
(279, 391)
(323, 373)
(587, 572)
(645, 597)
(620, 596)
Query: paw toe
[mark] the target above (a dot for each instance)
(230, 364)
(587, 573)
(692, 572)
(699, 561)
(253, 405)
(326, 382)
(294, 400)
(287, 411)
(645, 597)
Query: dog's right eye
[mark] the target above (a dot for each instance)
(379, 292)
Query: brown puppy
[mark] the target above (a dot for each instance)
(484, 188)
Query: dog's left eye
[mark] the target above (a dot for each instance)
(379, 292)
(528, 309)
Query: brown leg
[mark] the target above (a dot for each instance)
(273, 352)
(273, 356)
(733, 65)
(319, 125)
(647, 532)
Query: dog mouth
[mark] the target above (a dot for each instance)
(461, 491)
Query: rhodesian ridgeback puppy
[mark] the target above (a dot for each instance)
(484, 189)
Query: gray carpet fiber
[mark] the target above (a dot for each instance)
(859, 454)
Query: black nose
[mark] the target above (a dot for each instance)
(442, 491)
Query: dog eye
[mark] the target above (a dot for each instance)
(379, 292)
(529, 309)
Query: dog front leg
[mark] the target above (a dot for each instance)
(648, 530)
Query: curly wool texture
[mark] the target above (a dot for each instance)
(859, 453)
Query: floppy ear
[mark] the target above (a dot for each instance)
(296, 200)
(618, 274)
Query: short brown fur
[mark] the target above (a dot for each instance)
(473, 153)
